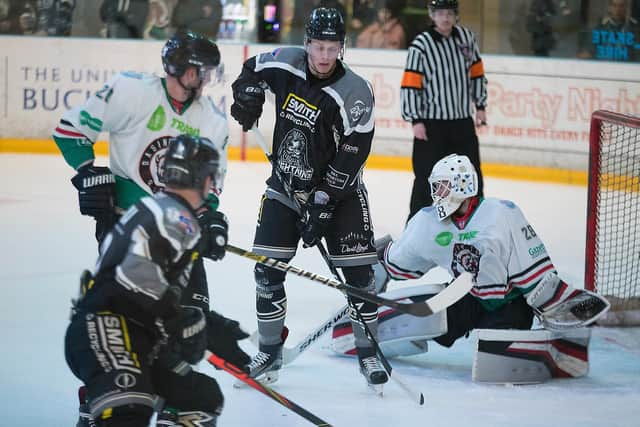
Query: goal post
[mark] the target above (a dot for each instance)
(612, 258)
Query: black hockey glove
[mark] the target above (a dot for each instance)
(247, 103)
(96, 191)
(223, 335)
(316, 218)
(215, 234)
(188, 334)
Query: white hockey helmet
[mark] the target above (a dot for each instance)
(452, 180)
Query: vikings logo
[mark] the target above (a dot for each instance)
(151, 166)
(465, 258)
(292, 155)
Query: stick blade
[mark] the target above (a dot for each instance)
(452, 293)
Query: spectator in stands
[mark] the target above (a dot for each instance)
(158, 19)
(364, 13)
(9, 12)
(539, 24)
(615, 38)
(124, 19)
(387, 32)
(27, 18)
(201, 16)
(54, 17)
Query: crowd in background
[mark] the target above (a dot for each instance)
(590, 29)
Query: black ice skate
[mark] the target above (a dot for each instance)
(265, 365)
(372, 369)
(84, 416)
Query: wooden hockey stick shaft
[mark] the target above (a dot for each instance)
(282, 400)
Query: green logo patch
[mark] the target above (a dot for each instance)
(157, 120)
(91, 122)
(444, 238)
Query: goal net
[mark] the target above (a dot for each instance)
(613, 215)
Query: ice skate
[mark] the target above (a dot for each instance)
(84, 415)
(372, 370)
(265, 365)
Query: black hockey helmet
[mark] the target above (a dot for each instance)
(189, 160)
(444, 4)
(187, 48)
(325, 24)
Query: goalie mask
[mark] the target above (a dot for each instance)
(452, 181)
(189, 161)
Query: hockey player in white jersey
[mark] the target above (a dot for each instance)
(142, 113)
(490, 238)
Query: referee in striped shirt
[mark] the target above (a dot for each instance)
(442, 77)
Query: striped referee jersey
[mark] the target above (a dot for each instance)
(442, 76)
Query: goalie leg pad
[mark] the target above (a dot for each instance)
(399, 334)
(530, 357)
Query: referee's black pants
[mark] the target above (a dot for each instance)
(444, 137)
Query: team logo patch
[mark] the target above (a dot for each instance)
(353, 243)
(358, 109)
(465, 258)
(185, 222)
(157, 120)
(125, 380)
(151, 165)
(292, 155)
(300, 111)
(444, 238)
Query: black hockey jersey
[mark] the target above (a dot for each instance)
(151, 248)
(324, 128)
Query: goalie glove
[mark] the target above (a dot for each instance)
(561, 306)
(96, 191)
(247, 103)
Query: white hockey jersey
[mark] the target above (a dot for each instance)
(135, 109)
(497, 245)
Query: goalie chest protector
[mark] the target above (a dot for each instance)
(530, 357)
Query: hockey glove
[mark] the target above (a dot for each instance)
(222, 339)
(96, 191)
(188, 334)
(316, 218)
(247, 103)
(215, 233)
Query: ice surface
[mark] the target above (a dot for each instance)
(45, 244)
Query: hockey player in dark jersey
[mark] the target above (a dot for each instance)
(130, 340)
(322, 138)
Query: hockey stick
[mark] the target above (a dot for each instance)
(418, 396)
(456, 290)
(289, 354)
(244, 377)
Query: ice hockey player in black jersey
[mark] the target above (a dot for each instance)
(130, 341)
(322, 138)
